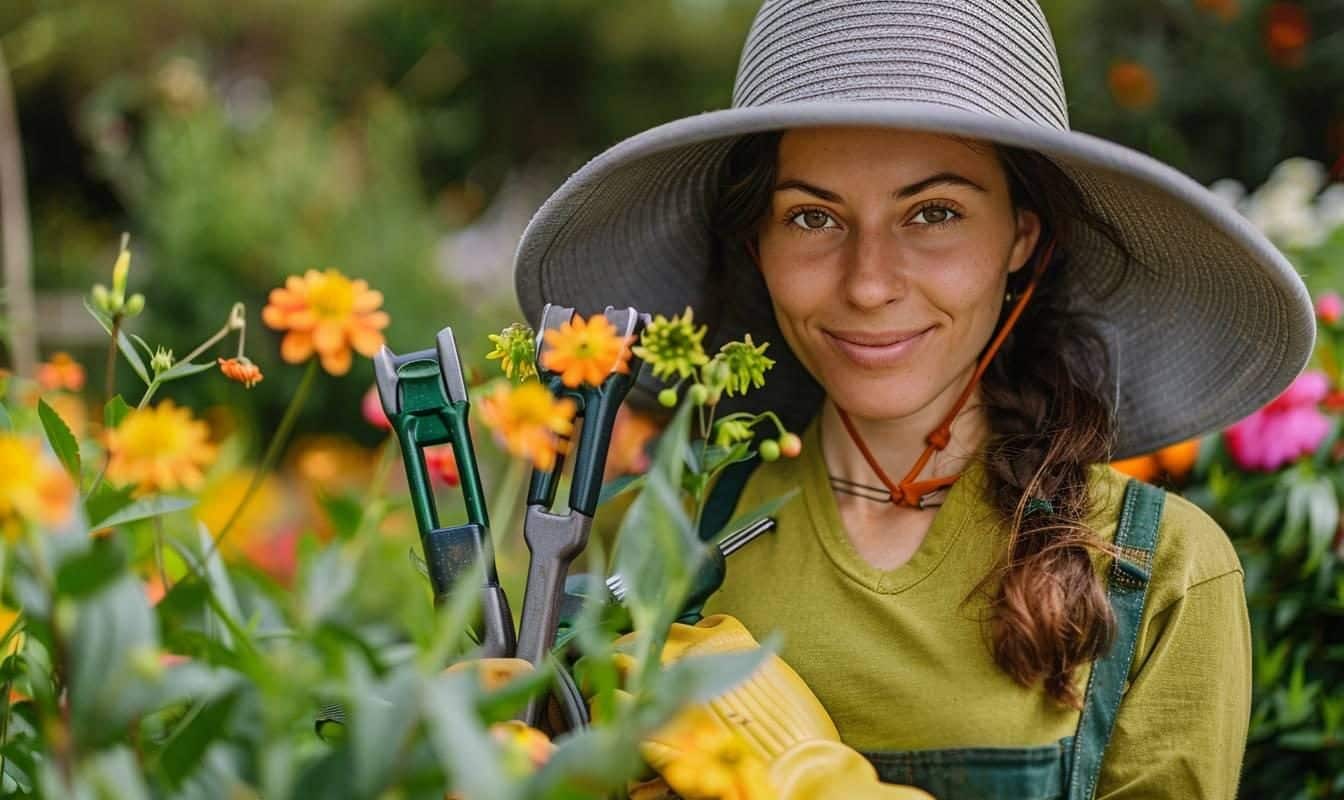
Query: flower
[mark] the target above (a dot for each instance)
(220, 497)
(525, 747)
(1132, 85)
(371, 406)
(162, 448)
(529, 421)
(585, 351)
(61, 372)
(673, 346)
(241, 369)
(1329, 306)
(1287, 428)
(1174, 461)
(1226, 10)
(328, 313)
(712, 760)
(746, 365)
(630, 436)
(442, 465)
(516, 349)
(33, 488)
(1287, 32)
(728, 432)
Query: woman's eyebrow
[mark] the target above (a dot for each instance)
(940, 179)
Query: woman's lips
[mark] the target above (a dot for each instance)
(876, 350)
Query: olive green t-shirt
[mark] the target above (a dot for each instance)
(901, 660)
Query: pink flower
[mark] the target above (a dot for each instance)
(372, 408)
(442, 465)
(1329, 308)
(1290, 427)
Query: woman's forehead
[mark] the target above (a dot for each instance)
(854, 152)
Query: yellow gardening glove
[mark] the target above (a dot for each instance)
(771, 723)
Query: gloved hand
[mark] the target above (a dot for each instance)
(778, 721)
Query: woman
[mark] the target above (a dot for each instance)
(981, 308)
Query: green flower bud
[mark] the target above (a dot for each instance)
(668, 398)
(699, 394)
(769, 450)
(135, 304)
(101, 299)
(162, 360)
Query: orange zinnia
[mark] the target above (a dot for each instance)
(585, 351)
(1132, 85)
(159, 449)
(326, 313)
(61, 372)
(242, 370)
(529, 422)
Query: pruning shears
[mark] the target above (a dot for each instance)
(425, 398)
(556, 539)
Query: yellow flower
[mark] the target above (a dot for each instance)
(328, 313)
(673, 346)
(516, 349)
(529, 421)
(33, 489)
(8, 618)
(711, 760)
(585, 351)
(162, 448)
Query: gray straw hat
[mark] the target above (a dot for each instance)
(1209, 325)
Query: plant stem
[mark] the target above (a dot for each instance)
(110, 377)
(273, 451)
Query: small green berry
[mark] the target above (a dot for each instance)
(135, 304)
(769, 450)
(699, 394)
(668, 398)
(790, 445)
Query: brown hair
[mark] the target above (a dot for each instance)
(1049, 417)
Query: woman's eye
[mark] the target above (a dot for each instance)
(813, 220)
(935, 215)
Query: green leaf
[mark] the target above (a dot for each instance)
(115, 631)
(88, 572)
(1322, 523)
(188, 745)
(145, 508)
(619, 486)
(345, 513)
(1267, 514)
(63, 442)
(123, 342)
(105, 501)
(459, 740)
(114, 412)
(182, 370)
(766, 509)
(149, 351)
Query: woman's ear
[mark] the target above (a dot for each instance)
(1028, 234)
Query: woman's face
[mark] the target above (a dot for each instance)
(887, 255)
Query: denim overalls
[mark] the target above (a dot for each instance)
(1069, 768)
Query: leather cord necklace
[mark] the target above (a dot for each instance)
(911, 492)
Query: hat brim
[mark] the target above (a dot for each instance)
(1209, 325)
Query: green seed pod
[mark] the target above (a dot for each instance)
(698, 394)
(769, 450)
(668, 398)
(135, 304)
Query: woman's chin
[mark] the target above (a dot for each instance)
(877, 400)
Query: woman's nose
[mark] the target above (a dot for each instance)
(874, 275)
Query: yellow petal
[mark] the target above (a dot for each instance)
(328, 337)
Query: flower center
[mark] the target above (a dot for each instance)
(332, 296)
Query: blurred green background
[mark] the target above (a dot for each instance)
(408, 141)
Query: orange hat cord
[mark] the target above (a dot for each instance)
(910, 492)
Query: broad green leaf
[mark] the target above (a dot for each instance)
(182, 370)
(379, 718)
(62, 441)
(182, 754)
(460, 741)
(1322, 523)
(114, 412)
(145, 508)
(88, 572)
(345, 512)
(123, 343)
(115, 635)
(1267, 513)
(105, 501)
(112, 773)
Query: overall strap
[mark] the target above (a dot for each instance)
(1136, 537)
(723, 497)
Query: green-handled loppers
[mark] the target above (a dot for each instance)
(425, 397)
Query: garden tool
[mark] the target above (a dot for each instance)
(425, 398)
(554, 540)
(772, 715)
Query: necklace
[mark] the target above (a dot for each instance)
(877, 494)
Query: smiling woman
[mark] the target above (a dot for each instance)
(981, 309)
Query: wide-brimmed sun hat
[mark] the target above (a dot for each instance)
(1210, 324)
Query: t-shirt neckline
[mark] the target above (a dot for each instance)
(947, 526)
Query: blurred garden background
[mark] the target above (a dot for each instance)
(407, 142)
